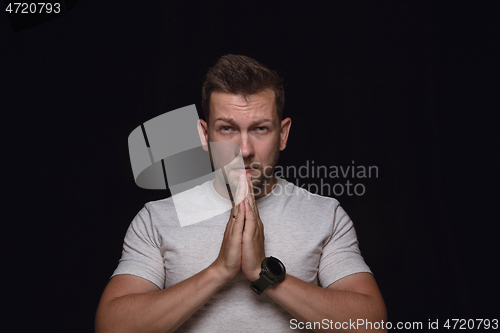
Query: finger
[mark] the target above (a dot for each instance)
(229, 226)
(250, 186)
(233, 216)
(239, 221)
(241, 190)
(250, 219)
(256, 216)
(251, 195)
(252, 201)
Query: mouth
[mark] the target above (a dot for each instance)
(247, 169)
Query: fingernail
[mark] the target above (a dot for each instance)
(248, 202)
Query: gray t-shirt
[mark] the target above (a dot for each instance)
(311, 234)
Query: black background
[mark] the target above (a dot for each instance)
(408, 86)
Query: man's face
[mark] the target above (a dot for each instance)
(253, 125)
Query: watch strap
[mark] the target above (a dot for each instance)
(261, 284)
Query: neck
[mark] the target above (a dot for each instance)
(267, 186)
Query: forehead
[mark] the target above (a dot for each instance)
(242, 108)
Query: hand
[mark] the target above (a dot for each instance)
(252, 250)
(228, 263)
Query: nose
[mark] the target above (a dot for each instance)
(246, 146)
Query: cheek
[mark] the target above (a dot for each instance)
(267, 152)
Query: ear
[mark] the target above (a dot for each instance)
(203, 133)
(285, 130)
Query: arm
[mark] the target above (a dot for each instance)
(354, 297)
(133, 304)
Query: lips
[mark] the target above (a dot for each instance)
(246, 169)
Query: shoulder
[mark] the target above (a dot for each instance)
(159, 205)
(192, 196)
(188, 207)
(302, 197)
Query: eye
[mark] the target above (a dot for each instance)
(261, 129)
(225, 128)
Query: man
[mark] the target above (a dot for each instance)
(197, 278)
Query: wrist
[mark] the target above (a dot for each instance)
(219, 274)
(255, 275)
(273, 271)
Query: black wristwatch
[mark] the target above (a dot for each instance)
(273, 271)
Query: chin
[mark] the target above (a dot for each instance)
(256, 183)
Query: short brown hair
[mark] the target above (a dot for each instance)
(241, 75)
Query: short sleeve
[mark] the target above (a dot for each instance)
(141, 255)
(341, 256)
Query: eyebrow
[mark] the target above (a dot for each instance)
(232, 122)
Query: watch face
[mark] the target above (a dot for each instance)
(275, 266)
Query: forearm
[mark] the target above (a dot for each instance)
(158, 311)
(309, 303)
